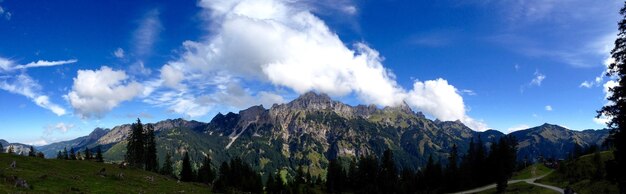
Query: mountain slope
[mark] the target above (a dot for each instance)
(313, 128)
(50, 150)
(555, 141)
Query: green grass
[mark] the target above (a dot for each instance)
(61, 176)
(527, 172)
(584, 168)
(522, 188)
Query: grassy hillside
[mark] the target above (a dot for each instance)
(579, 175)
(61, 176)
(532, 171)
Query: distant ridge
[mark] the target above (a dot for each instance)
(313, 128)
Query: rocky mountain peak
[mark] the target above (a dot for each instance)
(402, 107)
(311, 100)
(97, 133)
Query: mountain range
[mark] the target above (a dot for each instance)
(313, 128)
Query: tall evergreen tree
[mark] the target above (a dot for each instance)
(60, 155)
(72, 154)
(616, 110)
(167, 168)
(206, 174)
(388, 173)
(1, 148)
(66, 156)
(367, 174)
(505, 157)
(452, 171)
(99, 157)
(334, 177)
(135, 147)
(32, 152)
(88, 155)
(432, 175)
(224, 179)
(186, 173)
(270, 184)
(150, 153)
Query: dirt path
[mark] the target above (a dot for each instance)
(529, 181)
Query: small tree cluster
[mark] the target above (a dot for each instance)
(479, 167)
(33, 153)
(141, 147)
(238, 176)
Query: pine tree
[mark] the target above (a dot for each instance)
(270, 184)
(186, 173)
(334, 177)
(136, 146)
(60, 155)
(66, 156)
(452, 171)
(615, 110)
(367, 174)
(167, 168)
(32, 152)
(309, 178)
(388, 172)
(280, 184)
(224, 178)
(206, 174)
(88, 155)
(504, 159)
(432, 175)
(72, 154)
(99, 157)
(300, 175)
(1, 148)
(150, 153)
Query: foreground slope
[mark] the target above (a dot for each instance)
(586, 174)
(63, 176)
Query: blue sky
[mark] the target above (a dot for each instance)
(66, 68)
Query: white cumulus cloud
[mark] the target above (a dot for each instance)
(171, 76)
(95, 93)
(285, 45)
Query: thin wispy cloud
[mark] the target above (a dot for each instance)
(537, 79)
(8, 65)
(147, 33)
(24, 85)
(548, 108)
(119, 53)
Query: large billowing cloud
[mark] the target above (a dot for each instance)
(282, 43)
(95, 93)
